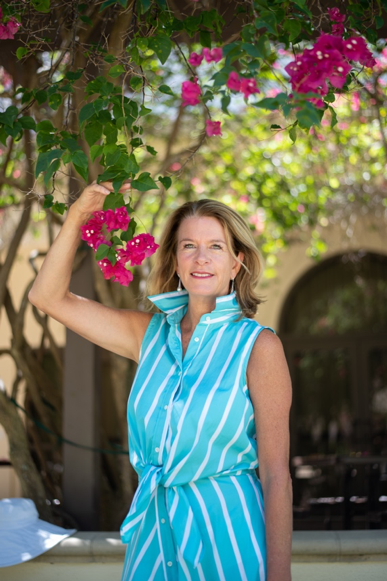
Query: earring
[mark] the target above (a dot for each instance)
(232, 286)
(179, 287)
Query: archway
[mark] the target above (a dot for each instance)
(334, 330)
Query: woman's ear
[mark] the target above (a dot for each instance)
(238, 265)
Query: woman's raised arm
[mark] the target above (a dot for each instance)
(118, 330)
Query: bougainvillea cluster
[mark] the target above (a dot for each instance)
(246, 86)
(8, 29)
(328, 60)
(134, 253)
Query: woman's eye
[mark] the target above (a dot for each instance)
(217, 246)
(187, 245)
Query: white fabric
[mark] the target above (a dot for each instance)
(23, 535)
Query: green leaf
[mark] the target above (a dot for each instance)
(293, 27)
(166, 89)
(151, 150)
(95, 151)
(93, 132)
(102, 251)
(251, 50)
(162, 46)
(144, 183)
(145, 5)
(225, 103)
(205, 38)
(86, 112)
(51, 170)
(144, 111)
(46, 126)
(81, 163)
(113, 200)
(74, 75)
(21, 51)
(267, 20)
(109, 58)
(129, 233)
(55, 101)
(9, 115)
(27, 122)
(378, 22)
(48, 200)
(334, 116)
(275, 126)
(166, 181)
(45, 158)
(41, 96)
(116, 71)
(308, 116)
(136, 83)
(131, 165)
(59, 208)
(269, 103)
(293, 133)
(330, 98)
(112, 154)
(41, 5)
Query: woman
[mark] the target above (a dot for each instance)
(211, 395)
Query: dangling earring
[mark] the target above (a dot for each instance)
(232, 286)
(179, 287)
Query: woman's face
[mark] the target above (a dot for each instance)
(204, 262)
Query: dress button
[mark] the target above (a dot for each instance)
(157, 449)
(163, 520)
(208, 319)
(165, 407)
(169, 563)
(196, 339)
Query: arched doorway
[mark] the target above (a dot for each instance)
(334, 330)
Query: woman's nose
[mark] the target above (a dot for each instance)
(201, 254)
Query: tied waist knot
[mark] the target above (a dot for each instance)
(184, 526)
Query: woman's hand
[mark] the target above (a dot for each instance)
(93, 197)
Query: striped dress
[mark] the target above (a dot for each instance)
(198, 512)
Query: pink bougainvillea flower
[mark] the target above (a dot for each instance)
(190, 92)
(118, 272)
(335, 15)
(355, 105)
(122, 218)
(13, 25)
(195, 59)
(233, 81)
(214, 55)
(4, 32)
(338, 29)
(355, 49)
(249, 87)
(213, 128)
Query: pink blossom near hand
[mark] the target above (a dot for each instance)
(118, 272)
(214, 55)
(233, 81)
(249, 87)
(122, 218)
(335, 15)
(195, 59)
(213, 128)
(190, 92)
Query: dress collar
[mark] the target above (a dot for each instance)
(175, 304)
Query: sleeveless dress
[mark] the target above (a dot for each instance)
(198, 511)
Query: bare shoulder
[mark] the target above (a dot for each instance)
(267, 347)
(267, 363)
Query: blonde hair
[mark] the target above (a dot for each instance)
(163, 277)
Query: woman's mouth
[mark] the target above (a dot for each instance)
(201, 274)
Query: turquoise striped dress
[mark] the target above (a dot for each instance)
(198, 512)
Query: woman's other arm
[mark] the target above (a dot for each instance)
(117, 330)
(271, 394)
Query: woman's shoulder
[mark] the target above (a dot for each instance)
(254, 326)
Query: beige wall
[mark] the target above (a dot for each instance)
(20, 276)
(294, 262)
